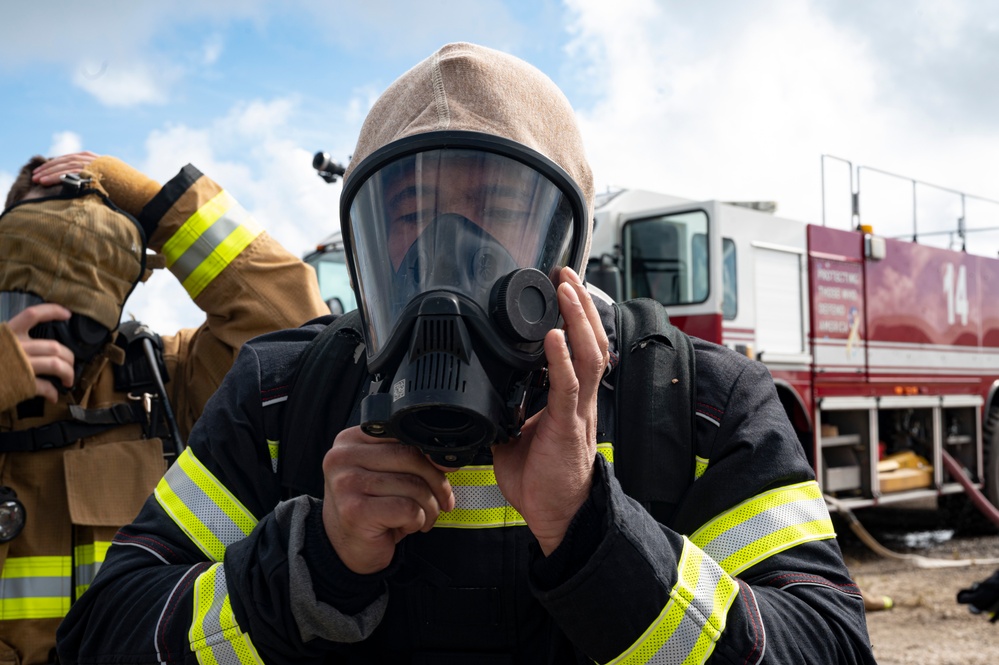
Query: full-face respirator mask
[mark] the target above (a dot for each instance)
(456, 241)
(81, 334)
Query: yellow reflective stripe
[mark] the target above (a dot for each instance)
(221, 257)
(211, 516)
(694, 617)
(215, 636)
(208, 241)
(700, 466)
(764, 525)
(88, 561)
(478, 502)
(195, 226)
(272, 448)
(35, 587)
(607, 450)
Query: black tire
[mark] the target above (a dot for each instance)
(957, 510)
(990, 444)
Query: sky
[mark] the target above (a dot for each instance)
(715, 99)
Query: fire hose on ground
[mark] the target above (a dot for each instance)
(979, 500)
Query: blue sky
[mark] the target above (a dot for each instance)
(716, 99)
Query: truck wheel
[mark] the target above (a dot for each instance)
(990, 444)
(957, 511)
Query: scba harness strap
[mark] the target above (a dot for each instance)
(134, 376)
(653, 433)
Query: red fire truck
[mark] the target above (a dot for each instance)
(885, 352)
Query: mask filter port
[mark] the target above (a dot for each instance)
(524, 305)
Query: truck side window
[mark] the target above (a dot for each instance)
(730, 285)
(666, 258)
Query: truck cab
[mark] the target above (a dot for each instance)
(330, 264)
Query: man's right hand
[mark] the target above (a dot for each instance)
(47, 357)
(49, 173)
(378, 491)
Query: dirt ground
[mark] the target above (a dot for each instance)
(926, 626)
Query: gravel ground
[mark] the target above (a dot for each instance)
(926, 626)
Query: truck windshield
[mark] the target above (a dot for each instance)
(666, 258)
(334, 281)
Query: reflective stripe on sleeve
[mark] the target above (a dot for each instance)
(700, 466)
(202, 506)
(216, 638)
(35, 587)
(694, 617)
(272, 448)
(208, 241)
(478, 502)
(765, 525)
(88, 561)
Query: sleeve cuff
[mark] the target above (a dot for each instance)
(582, 538)
(334, 582)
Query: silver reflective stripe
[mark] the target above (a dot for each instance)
(85, 573)
(215, 636)
(34, 587)
(478, 498)
(202, 506)
(210, 239)
(273, 448)
(764, 525)
(693, 619)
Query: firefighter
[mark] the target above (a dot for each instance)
(83, 426)
(470, 509)
(982, 597)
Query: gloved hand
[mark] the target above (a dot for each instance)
(982, 597)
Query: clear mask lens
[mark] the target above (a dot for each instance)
(454, 220)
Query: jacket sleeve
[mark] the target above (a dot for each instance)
(748, 569)
(19, 383)
(245, 281)
(215, 556)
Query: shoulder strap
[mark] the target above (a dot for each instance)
(320, 401)
(654, 452)
(136, 373)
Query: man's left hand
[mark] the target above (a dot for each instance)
(547, 473)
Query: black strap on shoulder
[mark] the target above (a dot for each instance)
(328, 377)
(84, 423)
(136, 373)
(135, 376)
(654, 446)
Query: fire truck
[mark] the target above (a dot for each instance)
(884, 352)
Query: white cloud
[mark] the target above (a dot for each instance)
(256, 152)
(742, 109)
(212, 50)
(64, 143)
(123, 83)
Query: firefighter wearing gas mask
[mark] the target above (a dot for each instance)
(84, 432)
(433, 478)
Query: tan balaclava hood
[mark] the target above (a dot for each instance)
(78, 251)
(465, 87)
